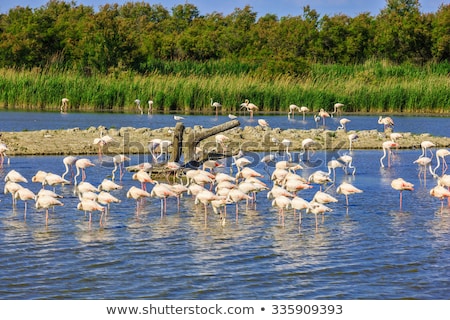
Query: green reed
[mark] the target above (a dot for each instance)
(372, 87)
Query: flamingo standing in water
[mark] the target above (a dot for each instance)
(24, 194)
(347, 189)
(221, 140)
(323, 114)
(236, 195)
(348, 161)
(441, 154)
(137, 102)
(64, 105)
(137, 194)
(3, 149)
(343, 124)
(318, 208)
(423, 163)
(101, 142)
(299, 204)
(304, 110)
(387, 145)
(400, 184)
(250, 107)
(440, 193)
(119, 161)
(292, 109)
(337, 109)
(81, 165)
(387, 122)
(283, 203)
(216, 105)
(69, 162)
(425, 145)
(150, 107)
(46, 202)
(90, 206)
(352, 137)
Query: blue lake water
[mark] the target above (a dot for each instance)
(20, 121)
(370, 250)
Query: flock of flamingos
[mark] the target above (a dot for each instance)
(211, 187)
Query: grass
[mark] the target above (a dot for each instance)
(372, 87)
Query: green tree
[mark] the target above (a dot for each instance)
(441, 34)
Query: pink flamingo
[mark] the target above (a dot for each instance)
(387, 145)
(69, 162)
(387, 122)
(323, 114)
(82, 164)
(46, 202)
(236, 195)
(205, 197)
(299, 204)
(400, 185)
(24, 194)
(283, 203)
(119, 161)
(441, 154)
(137, 194)
(292, 109)
(441, 193)
(250, 107)
(347, 189)
(90, 206)
(143, 177)
(162, 191)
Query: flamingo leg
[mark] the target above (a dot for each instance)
(401, 193)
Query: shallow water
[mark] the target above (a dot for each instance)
(20, 121)
(370, 250)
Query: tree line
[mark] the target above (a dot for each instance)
(146, 38)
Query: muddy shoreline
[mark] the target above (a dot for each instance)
(129, 140)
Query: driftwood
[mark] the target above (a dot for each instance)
(186, 144)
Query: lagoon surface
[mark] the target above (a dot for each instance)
(370, 250)
(29, 121)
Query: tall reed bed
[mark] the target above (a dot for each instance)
(373, 87)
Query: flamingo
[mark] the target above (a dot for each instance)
(216, 105)
(178, 189)
(279, 191)
(82, 164)
(137, 102)
(337, 108)
(101, 142)
(425, 145)
(64, 105)
(423, 163)
(146, 166)
(387, 122)
(292, 109)
(137, 194)
(283, 203)
(143, 177)
(268, 158)
(319, 177)
(50, 193)
(46, 202)
(263, 123)
(221, 140)
(211, 165)
(307, 144)
(347, 189)
(12, 187)
(395, 136)
(441, 153)
(150, 107)
(205, 197)
(85, 187)
(172, 167)
(332, 165)
(400, 184)
(90, 206)
(441, 193)
(387, 145)
(119, 161)
(287, 143)
(323, 114)
(316, 120)
(108, 186)
(162, 191)
(24, 194)
(317, 208)
(343, 124)
(247, 173)
(3, 149)
(352, 137)
(236, 195)
(287, 165)
(105, 198)
(52, 179)
(250, 107)
(304, 110)
(294, 185)
(299, 204)
(39, 176)
(69, 162)
(348, 160)
(15, 176)
(323, 198)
